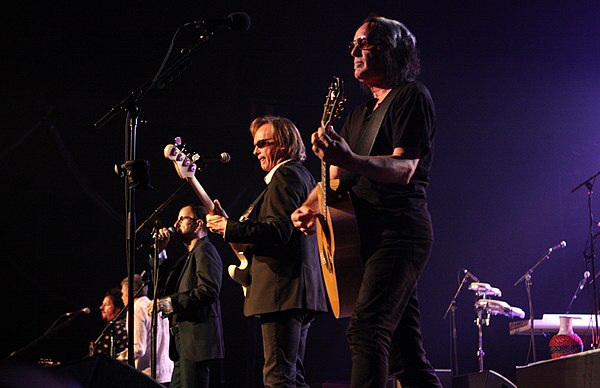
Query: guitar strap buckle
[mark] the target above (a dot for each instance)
(245, 216)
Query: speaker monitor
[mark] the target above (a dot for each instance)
(97, 372)
(445, 376)
(581, 370)
(485, 379)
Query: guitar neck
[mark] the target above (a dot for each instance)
(324, 184)
(201, 193)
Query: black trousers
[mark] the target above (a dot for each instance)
(284, 342)
(187, 373)
(384, 331)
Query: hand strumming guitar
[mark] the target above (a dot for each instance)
(303, 219)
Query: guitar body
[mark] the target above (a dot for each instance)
(340, 257)
(240, 273)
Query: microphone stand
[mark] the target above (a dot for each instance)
(155, 265)
(110, 326)
(130, 105)
(162, 207)
(53, 329)
(453, 336)
(526, 278)
(154, 306)
(590, 256)
(577, 291)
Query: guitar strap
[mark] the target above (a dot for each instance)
(246, 214)
(362, 144)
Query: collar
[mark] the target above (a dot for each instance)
(269, 176)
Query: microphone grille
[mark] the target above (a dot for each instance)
(239, 21)
(85, 310)
(225, 157)
(563, 244)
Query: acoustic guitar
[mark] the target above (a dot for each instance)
(337, 232)
(186, 169)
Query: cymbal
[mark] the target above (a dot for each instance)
(498, 307)
(484, 289)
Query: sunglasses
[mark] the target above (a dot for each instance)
(362, 43)
(263, 143)
(183, 218)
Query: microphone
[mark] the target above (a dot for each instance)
(150, 245)
(586, 275)
(85, 310)
(470, 275)
(223, 157)
(558, 246)
(237, 21)
(170, 229)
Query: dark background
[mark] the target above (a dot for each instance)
(517, 93)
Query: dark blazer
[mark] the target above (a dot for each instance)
(194, 284)
(285, 270)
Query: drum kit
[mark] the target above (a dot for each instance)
(486, 307)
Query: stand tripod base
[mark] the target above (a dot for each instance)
(485, 379)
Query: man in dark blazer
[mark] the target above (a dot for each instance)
(191, 301)
(286, 288)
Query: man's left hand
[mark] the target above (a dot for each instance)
(216, 223)
(330, 147)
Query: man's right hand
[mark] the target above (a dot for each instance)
(303, 219)
(164, 236)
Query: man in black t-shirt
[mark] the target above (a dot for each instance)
(389, 196)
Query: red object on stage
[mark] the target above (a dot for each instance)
(565, 342)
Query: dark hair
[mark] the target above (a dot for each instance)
(115, 295)
(137, 284)
(199, 212)
(285, 134)
(399, 48)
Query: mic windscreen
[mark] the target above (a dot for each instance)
(225, 157)
(85, 310)
(239, 21)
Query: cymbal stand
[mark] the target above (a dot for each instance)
(483, 318)
(453, 336)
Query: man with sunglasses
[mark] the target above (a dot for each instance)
(387, 182)
(190, 299)
(286, 290)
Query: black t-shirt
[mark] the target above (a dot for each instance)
(410, 123)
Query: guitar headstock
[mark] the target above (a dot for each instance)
(184, 163)
(333, 102)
